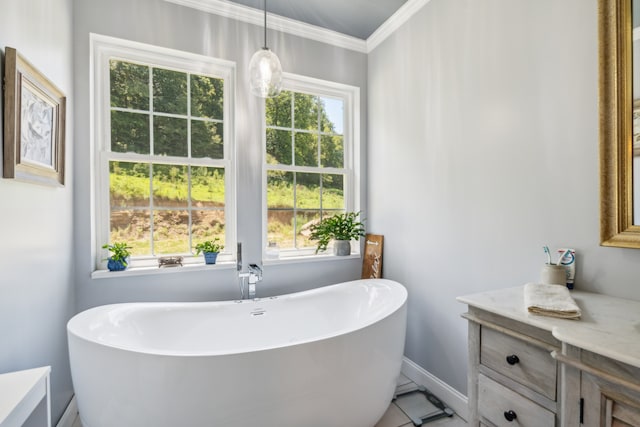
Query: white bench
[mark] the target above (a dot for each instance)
(21, 393)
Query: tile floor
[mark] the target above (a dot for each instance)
(394, 417)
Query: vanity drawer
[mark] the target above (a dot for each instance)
(504, 407)
(525, 363)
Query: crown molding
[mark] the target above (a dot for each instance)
(286, 25)
(395, 21)
(276, 22)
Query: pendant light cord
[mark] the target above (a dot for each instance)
(265, 25)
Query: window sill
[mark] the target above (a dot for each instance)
(148, 271)
(229, 265)
(309, 258)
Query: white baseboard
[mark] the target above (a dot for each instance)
(449, 395)
(70, 414)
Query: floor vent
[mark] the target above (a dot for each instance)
(421, 406)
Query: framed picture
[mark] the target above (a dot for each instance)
(34, 124)
(636, 127)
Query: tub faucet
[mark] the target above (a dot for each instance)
(254, 275)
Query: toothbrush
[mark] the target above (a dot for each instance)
(546, 251)
(565, 253)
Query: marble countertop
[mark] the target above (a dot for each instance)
(609, 326)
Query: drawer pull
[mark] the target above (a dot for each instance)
(510, 415)
(513, 359)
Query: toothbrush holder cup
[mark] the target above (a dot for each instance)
(552, 274)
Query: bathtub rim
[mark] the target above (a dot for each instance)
(401, 304)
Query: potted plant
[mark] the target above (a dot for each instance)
(210, 249)
(119, 259)
(341, 228)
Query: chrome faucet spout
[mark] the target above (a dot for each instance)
(254, 275)
(256, 270)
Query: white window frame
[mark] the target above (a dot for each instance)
(351, 143)
(103, 49)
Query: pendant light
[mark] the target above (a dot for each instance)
(265, 70)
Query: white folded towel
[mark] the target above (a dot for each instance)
(550, 300)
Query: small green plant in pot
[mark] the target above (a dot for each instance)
(119, 259)
(210, 249)
(341, 228)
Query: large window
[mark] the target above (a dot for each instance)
(310, 141)
(164, 158)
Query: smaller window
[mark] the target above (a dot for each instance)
(164, 152)
(309, 160)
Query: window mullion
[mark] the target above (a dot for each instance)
(151, 212)
(306, 169)
(189, 208)
(151, 136)
(168, 160)
(189, 205)
(172, 115)
(295, 210)
(293, 131)
(293, 163)
(318, 151)
(189, 115)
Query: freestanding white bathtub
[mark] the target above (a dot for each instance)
(328, 357)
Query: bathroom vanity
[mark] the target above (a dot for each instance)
(530, 370)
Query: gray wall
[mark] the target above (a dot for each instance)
(483, 135)
(36, 255)
(165, 24)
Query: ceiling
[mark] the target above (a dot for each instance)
(357, 18)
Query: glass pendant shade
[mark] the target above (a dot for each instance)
(266, 74)
(265, 70)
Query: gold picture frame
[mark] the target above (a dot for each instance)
(34, 124)
(616, 125)
(636, 128)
